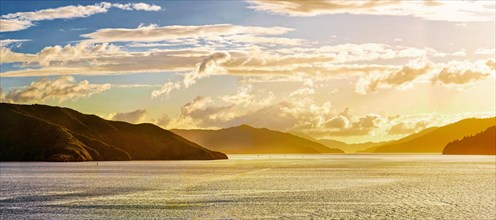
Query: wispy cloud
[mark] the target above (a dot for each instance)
(209, 65)
(215, 34)
(486, 51)
(454, 73)
(454, 11)
(10, 42)
(351, 60)
(137, 6)
(23, 20)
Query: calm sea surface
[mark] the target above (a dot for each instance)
(251, 186)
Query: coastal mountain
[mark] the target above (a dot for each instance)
(47, 133)
(433, 140)
(347, 148)
(413, 136)
(248, 140)
(483, 143)
(331, 143)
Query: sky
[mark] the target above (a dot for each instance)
(353, 71)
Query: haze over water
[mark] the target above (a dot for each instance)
(253, 186)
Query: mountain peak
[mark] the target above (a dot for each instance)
(244, 126)
(245, 139)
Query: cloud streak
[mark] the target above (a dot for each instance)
(12, 42)
(23, 20)
(453, 11)
(358, 61)
(214, 34)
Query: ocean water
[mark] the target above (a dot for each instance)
(254, 186)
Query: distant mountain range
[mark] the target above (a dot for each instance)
(413, 136)
(434, 140)
(46, 133)
(347, 148)
(430, 140)
(483, 143)
(248, 140)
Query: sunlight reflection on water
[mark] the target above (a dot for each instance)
(255, 186)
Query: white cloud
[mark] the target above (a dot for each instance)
(133, 117)
(90, 59)
(105, 58)
(486, 51)
(211, 64)
(464, 73)
(22, 20)
(460, 53)
(202, 112)
(405, 75)
(213, 34)
(336, 61)
(8, 56)
(14, 25)
(245, 96)
(12, 42)
(65, 12)
(60, 89)
(249, 107)
(302, 116)
(59, 56)
(137, 6)
(166, 88)
(454, 11)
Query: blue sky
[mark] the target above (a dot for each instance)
(348, 28)
(344, 70)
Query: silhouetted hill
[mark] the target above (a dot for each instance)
(433, 140)
(248, 140)
(483, 143)
(47, 133)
